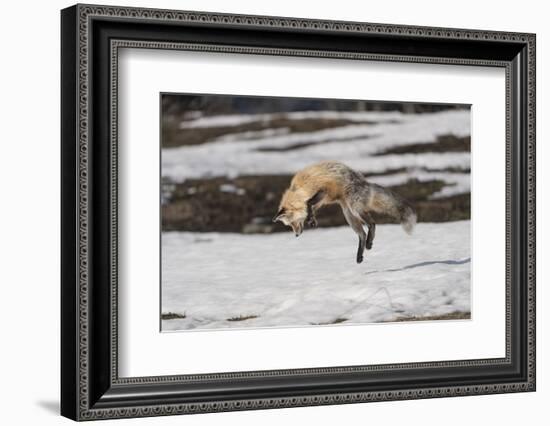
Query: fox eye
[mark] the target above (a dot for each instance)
(280, 213)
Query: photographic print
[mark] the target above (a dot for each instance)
(293, 212)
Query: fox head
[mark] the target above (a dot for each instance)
(292, 211)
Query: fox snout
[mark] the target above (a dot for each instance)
(297, 224)
(298, 228)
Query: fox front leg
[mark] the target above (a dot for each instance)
(311, 206)
(310, 219)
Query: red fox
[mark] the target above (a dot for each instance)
(331, 182)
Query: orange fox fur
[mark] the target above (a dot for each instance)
(331, 182)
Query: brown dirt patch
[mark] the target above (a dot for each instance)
(451, 316)
(444, 143)
(174, 136)
(199, 205)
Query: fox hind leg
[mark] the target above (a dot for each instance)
(372, 228)
(360, 250)
(357, 226)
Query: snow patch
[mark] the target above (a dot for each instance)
(355, 145)
(278, 280)
(232, 189)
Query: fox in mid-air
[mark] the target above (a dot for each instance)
(332, 182)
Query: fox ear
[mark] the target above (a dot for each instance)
(279, 214)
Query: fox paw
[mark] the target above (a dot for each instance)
(359, 259)
(368, 245)
(312, 222)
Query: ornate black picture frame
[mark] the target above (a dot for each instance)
(91, 387)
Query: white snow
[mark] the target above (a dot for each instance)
(286, 281)
(255, 134)
(232, 189)
(355, 144)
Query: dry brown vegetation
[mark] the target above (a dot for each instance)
(174, 136)
(242, 318)
(451, 316)
(172, 315)
(199, 205)
(444, 143)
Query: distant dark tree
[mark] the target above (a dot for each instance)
(179, 105)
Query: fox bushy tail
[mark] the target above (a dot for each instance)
(387, 202)
(408, 218)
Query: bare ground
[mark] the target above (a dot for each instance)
(174, 136)
(451, 316)
(444, 143)
(200, 205)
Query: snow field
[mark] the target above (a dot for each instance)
(236, 281)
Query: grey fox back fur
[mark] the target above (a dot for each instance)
(332, 182)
